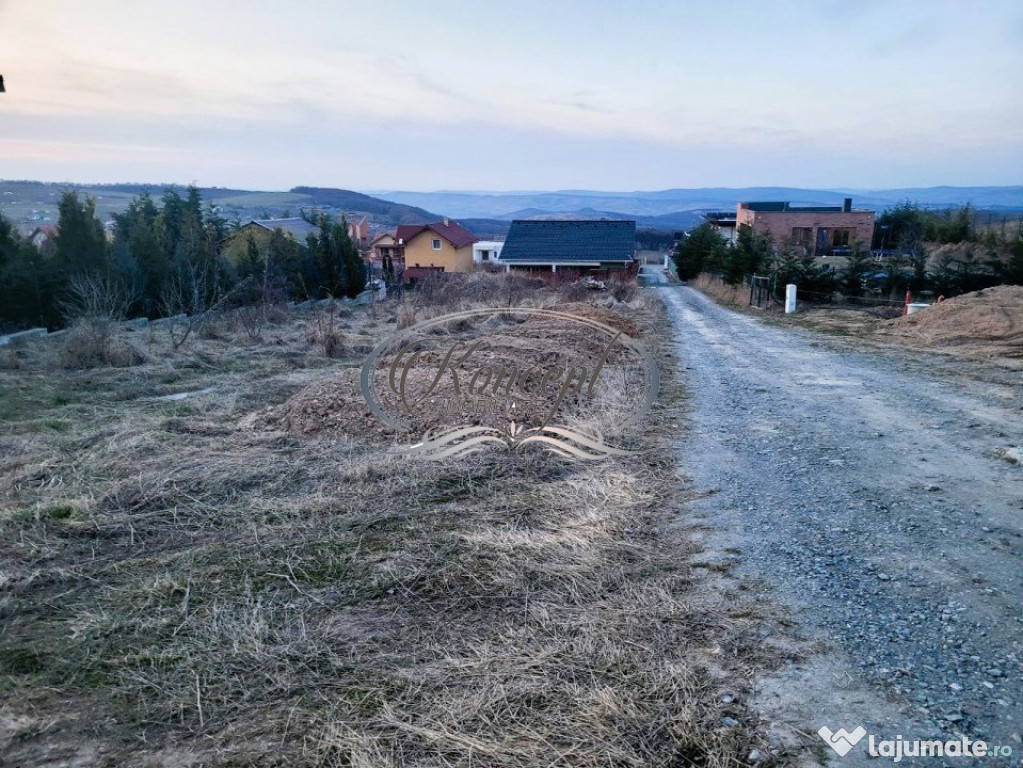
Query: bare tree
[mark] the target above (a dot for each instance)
(94, 297)
(188, 301)
(92, 307)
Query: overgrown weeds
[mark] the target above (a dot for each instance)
(176, 583)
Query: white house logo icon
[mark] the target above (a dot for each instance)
(841, 741)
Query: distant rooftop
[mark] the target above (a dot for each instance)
(454, 233)
(297, 227)
(781, 207)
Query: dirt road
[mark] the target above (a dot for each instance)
(870, 494)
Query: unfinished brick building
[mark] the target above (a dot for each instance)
(823, 230)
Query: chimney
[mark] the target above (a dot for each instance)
(847, 204)
(446, 222)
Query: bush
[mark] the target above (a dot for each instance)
(91, 343)
(623, 290)
(574, 291)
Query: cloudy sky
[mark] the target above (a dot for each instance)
(525, 94)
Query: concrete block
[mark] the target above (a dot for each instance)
(15, 338)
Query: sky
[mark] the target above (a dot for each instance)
(514, 95)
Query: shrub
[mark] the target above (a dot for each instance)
(623, 290)
(91, 343)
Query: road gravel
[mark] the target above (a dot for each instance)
(876, 498)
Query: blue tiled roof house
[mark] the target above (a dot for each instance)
(569, 250)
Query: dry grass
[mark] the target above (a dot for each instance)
(722, 292)
(179, 589)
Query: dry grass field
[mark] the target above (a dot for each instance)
(188, 580)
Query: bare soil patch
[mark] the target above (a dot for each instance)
(983, 325)
(990, 319)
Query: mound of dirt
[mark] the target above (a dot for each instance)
(991, 315)
(337, 407)
(334, 407)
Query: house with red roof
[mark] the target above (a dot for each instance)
(40, 236)
(431, 248)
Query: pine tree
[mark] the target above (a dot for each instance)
(698, 250)
(751, 254)
(138, 255)
(353, 269)
(855, 271)
(29, 282)
(81, 245)
(252, 266)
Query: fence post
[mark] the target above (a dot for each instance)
(790, 299)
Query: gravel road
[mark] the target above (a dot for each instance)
(870, 494)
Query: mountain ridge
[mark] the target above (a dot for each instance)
(660, 202)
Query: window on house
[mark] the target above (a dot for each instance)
(484, 255)
(436, 245)
(802, 235)
(841, 237)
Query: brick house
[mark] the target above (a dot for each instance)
(565, 251)
(441, 247)
(823, 230)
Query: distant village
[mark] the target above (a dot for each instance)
(559, 250)
(345, 243)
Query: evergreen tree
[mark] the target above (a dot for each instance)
(340, 270)
(327, 259)
(1013, 270)
(751, 254)
(171, 221)
(816, 279)
(855, 271)
(29, 283)
(139, 255)
(698, 250)
(81, 245)
(284, 260)
(252, 265)
(788, 268)
(352, 266)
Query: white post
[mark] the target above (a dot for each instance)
(790, 299)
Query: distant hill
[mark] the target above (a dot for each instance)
(33, 203)
(385, 210)
(672, 202)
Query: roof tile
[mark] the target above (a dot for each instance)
(570, 241)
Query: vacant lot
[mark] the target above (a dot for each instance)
(191, 575)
